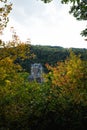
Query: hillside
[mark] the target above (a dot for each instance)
(51, 55)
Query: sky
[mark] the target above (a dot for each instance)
(45, 24)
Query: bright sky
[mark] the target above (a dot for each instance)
(45, 24)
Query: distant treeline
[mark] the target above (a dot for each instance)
(50, 55)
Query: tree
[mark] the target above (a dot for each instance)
(72, 72)
(78, 9)
(10, 55)
(70, 77)
(4, 12)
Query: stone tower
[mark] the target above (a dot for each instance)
(36, 72)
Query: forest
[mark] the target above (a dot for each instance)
(50, 55)
(59, 103)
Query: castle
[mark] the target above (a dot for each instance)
(36, 73)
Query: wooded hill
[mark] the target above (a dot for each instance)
(50, 55)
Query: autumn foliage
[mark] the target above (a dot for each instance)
(58, 103)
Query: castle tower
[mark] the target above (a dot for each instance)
(36, 72)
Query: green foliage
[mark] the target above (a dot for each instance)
(59, 103)
(50, 55)
(84, 32)
(43, 55)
